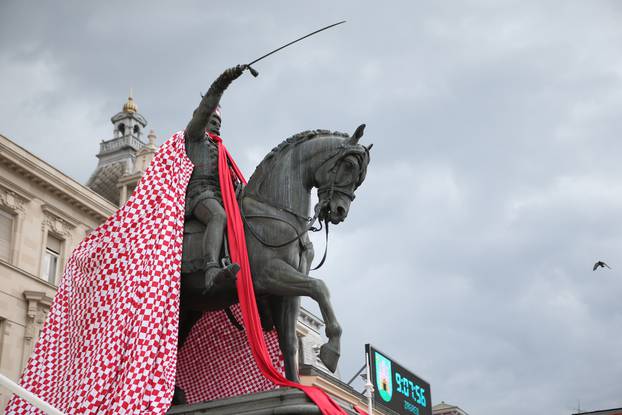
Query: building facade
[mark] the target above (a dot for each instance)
(43, 215)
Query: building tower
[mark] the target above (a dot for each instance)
(127, 183)
(117, 156)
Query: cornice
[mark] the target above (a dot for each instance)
(132, 115)
(12, 199)
(336, 387)
(54, 180)
(58, 213)
(20, 271)
(39, 297)
(10, 186)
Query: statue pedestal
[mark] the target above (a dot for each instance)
(282, 401)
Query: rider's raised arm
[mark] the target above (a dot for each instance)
(196, 127)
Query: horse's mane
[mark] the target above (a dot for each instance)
(294, 141)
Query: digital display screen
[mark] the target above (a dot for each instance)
(397, 388)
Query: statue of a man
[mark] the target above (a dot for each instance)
(203, 197)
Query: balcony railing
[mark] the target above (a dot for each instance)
(118, 143)
(24, 394)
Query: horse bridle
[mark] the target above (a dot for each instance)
(331, 188)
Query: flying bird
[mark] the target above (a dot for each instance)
(600, 264)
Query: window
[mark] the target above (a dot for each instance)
(51, 260)
(2, 330)
(6, 235)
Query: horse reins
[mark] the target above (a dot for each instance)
(299, 235)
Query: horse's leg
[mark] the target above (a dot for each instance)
(280, 278)
(285, 322)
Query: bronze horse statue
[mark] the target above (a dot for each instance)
(275, 206)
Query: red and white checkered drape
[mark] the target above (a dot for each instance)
(109, 345)
(216, 362)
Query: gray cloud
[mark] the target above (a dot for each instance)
(494, 182)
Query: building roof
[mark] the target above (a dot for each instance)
(445, 408)
(38, 170)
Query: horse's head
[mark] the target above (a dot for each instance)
(339, 176)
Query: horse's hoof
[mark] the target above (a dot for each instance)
(329, 356)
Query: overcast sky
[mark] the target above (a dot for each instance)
(495, 181)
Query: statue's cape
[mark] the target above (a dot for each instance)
(109, 344)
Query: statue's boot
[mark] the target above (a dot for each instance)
(215, 275)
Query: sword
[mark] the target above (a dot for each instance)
(255, 73)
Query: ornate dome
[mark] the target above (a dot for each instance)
(130, 105)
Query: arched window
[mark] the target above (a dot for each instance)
(122, 128)
(136, 129)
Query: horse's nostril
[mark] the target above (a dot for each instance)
(341, 211)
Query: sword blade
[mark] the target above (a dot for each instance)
(297, 40)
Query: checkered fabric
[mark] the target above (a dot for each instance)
(109, 345)
(216, 362)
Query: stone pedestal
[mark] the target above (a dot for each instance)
(283, 401)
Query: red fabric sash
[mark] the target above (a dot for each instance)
(246, 293)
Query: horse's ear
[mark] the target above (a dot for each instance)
(357, 134)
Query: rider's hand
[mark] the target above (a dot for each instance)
(235, 72)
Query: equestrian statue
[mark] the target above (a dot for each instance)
(275, 208)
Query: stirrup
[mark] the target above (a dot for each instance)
(216, 275)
